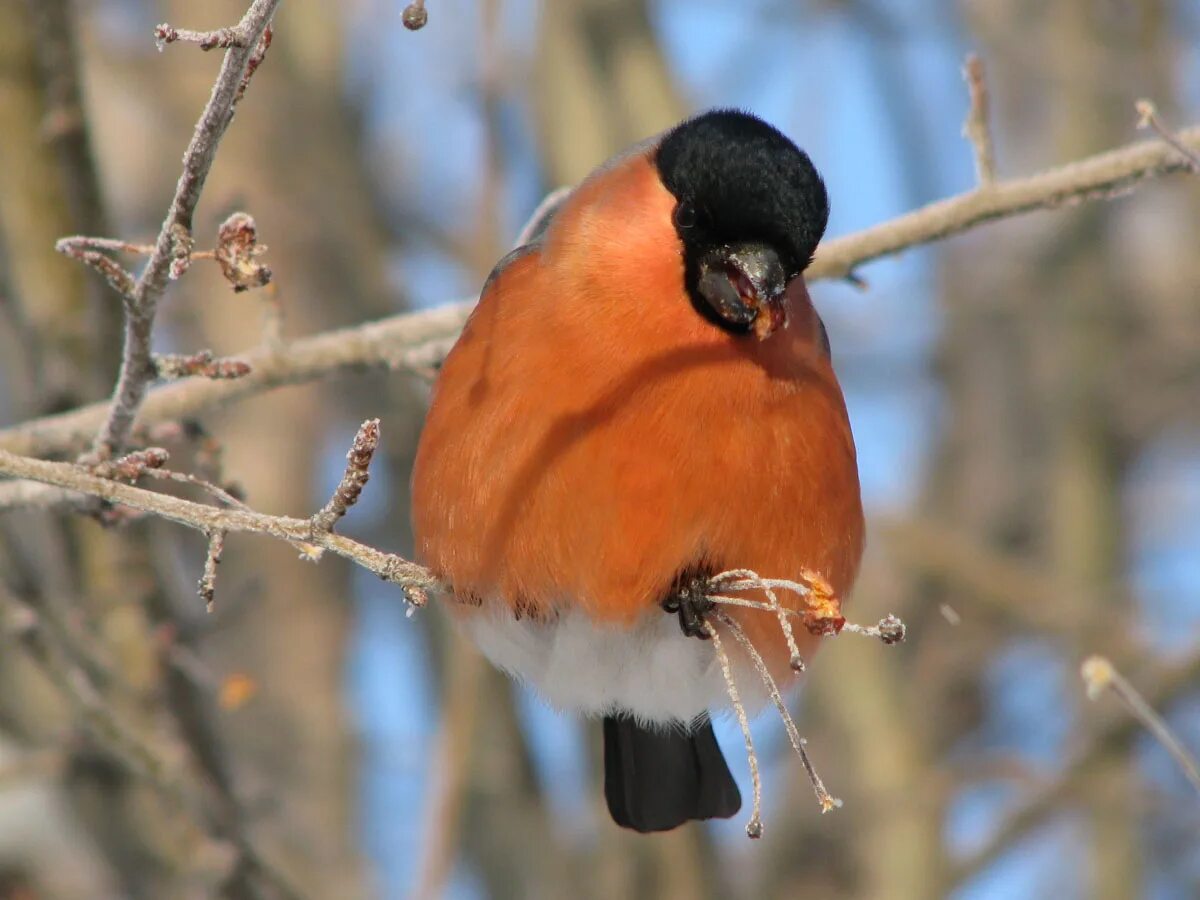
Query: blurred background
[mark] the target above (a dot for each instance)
(1026, 401)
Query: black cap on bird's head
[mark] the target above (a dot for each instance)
(750, 210)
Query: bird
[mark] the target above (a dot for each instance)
(644, 397)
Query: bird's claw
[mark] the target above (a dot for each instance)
(691, 603)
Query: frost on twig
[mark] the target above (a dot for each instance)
(90, 252)
(754, 828)
(256, 58)
(821, 615)
(416, 581)
(169, 366)
(208, 40)
(212, 559)
(358, 460)
(824, 798)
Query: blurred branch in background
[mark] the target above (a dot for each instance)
(1117, 733)
(1100, 675)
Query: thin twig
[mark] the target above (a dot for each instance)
(117, 276)
(358, 461)
(215, 490)
(256, 58)
(745, 579)
(822, 612)
(383, 344)
(208, 40)
(890, 629)
(754, 828)
(824, 798)
(70, 246)
(1148, 118)
(976, 128)
(415, 580)
(1100, 675)
(173, 247)
(171, 366)
(212, 559)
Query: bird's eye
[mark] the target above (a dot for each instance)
(685, 215)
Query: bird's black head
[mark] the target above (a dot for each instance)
(750, 210)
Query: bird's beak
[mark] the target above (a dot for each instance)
(745, 285)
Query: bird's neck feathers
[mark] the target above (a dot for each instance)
(604, 276)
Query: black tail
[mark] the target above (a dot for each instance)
(657, 780)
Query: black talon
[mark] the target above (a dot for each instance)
(690, 601)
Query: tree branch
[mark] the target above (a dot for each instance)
(389, 343)
(976, 128)
(1095, 177)
(173, 247)
(415, 341)
(413, 579)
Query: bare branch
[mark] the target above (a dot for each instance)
(1095, 177)
(212, 559)
(208, 40)
(415, 580)
(387, 343)
(976, 128)
(89, 251)
(358, 460)
(415, 15)
(256, 58)
(826, 800)
(173, 247)
(754, 828)
(890, 629)
(70, 246)
(744, 579)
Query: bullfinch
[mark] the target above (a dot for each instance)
(644, 397)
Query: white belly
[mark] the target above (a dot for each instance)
(650, 670)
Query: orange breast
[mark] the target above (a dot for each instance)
(591, 436)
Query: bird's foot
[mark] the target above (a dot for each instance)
(690, 601)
